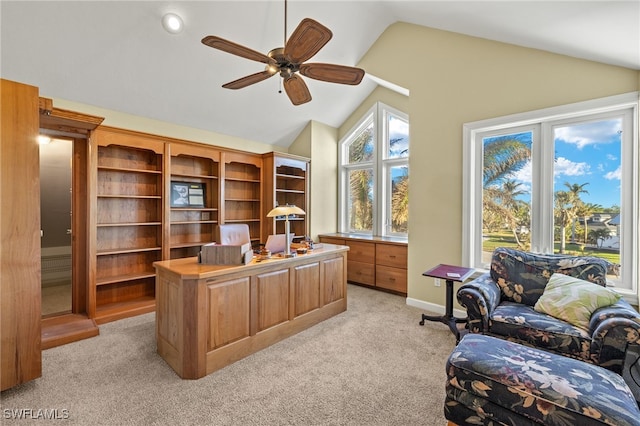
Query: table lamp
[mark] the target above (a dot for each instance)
(286, 210)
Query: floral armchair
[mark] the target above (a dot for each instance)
(506, 303)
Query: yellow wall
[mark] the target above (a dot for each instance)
(380, 94)
(319, 142)
(454, 79)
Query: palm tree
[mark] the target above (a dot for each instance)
(505, 206)
(361, 215)
(568, 205)
(400, 204)
(584, 212)
(502, 157)
(597, 236)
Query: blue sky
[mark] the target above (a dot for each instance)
(585, 153)
(590, 153)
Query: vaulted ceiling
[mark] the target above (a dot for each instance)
(116, 54)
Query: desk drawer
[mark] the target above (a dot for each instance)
(362, 252)
(359, 272)
(391, 255)
(391, 278)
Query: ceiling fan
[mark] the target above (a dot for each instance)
(307, 40)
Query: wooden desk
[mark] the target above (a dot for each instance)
(209, 316)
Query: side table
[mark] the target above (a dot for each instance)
(449, 273)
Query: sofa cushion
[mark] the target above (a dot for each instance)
(522, 276)
(504, 382)
(574, 300)
(522, 323)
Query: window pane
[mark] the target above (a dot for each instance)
(506, 192)
(398, 132)
(399, 198)
(587, 192)
(361, 200)
(362, 146)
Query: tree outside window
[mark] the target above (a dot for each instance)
(374, 177)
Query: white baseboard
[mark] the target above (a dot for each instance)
(432, 307)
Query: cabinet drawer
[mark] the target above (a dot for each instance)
(391, 255)
(359, 272)
(391, 278)
(362, 252)
(329, 240)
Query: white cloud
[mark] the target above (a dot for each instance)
(569, 168)
(614, 175)
(522, 175)
(589, 133)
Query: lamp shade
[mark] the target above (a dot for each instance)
(285, 210)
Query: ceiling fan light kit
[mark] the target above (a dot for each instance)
(289, 61)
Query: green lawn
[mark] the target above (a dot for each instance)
(505, 239)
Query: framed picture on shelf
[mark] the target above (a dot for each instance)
(187, 194)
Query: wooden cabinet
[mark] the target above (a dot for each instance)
(210, 316)
(128, 235)
(242, 191)
(20, 313)
(374, 261)
(286, 181)
(391, 266)
(192, 226)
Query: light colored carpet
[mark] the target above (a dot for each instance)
(371, 365)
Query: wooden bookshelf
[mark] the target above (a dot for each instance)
(192, 226)
(128, 233)
(242, 192)
(286, 181)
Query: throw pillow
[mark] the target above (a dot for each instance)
(574, 300)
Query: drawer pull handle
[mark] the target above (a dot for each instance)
(392, 279)
(392, 256)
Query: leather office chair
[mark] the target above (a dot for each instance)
(234, 234)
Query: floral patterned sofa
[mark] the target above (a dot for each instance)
(492, 381)
(505, 303)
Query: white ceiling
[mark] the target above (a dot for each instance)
(116, 55)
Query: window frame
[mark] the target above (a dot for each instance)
(381, 165)
(544, 121)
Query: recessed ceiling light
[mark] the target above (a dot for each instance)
(172, 23)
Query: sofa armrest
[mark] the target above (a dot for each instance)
(613, 328)
(480, 297)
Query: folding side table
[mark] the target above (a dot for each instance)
(449, 273)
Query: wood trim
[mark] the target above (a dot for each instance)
(65, 121)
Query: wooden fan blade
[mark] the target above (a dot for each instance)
(248, 80)
(306, 40)
(297, 90)
(236, 49)
(332, 73)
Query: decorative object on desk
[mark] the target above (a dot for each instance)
(187, 194)
(286, 211)
(223, 254)
(264, 254)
